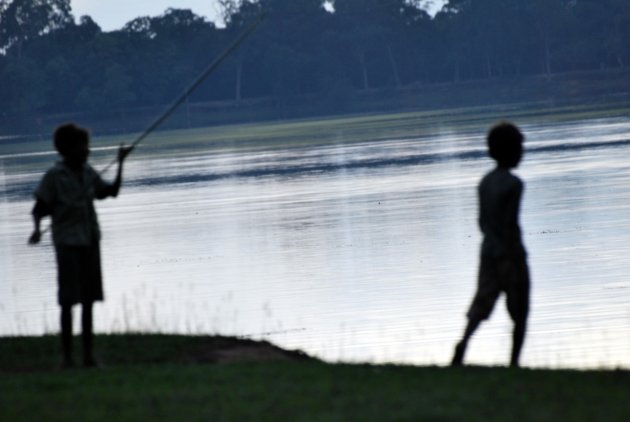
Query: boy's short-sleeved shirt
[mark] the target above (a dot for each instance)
(71, 201)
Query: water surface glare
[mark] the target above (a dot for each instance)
(362, 251)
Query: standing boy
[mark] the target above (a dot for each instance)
(503, 264)
(66, 193)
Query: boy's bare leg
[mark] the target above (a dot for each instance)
(518, 337)
(460, 348)
(66, 336)
(87, 335)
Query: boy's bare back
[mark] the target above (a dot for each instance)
(500, 194)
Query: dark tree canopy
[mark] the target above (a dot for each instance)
(51, 63)
(23, 20)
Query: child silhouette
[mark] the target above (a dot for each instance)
(503, 260)
(66, 193)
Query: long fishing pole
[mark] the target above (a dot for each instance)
(192, 87)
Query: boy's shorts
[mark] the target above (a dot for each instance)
(509, 275)
(79, 274)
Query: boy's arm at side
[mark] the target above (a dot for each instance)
(40, 210)
(512, 228)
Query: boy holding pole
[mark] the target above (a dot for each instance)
(66, 193)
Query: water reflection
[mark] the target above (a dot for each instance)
(364, 251)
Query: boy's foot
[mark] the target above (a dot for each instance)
(458, 356)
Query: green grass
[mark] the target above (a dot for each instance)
(375, 127)
(339, 129)
(147, 379)
(348, 129)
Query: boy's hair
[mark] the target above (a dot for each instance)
(69, 136)
(505, 142)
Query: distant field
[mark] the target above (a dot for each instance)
(158, 378)
(350, 128)
(368, 127)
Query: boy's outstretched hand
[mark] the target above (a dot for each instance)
(123, 152)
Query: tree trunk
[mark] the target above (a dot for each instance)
(18, 50)
(392, 62)
(239, 81)
(366, 81)
(457, 72)
(488, 66)
(188, 113)
(547, 57)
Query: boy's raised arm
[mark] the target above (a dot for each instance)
(114, 188)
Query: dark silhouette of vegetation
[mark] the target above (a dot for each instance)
(327, 51)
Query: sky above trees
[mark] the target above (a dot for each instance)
(114, 14)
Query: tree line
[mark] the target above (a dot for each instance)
(52, 62)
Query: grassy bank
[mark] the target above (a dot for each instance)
(335, 129)
(365, 127)
(179, 378)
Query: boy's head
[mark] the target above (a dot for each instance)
(72, 143)
(505, 144)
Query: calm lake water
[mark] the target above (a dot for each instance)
(361, 251)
